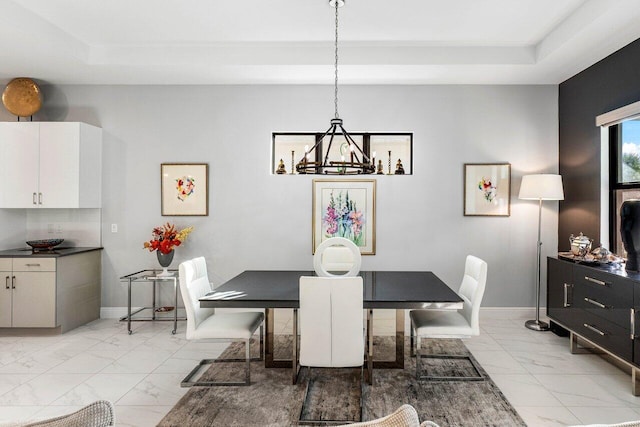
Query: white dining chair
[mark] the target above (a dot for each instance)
(331, 323)
(337, 254)
(205, 323)
(463, 323)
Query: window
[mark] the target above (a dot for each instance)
(624, 139)
(626, 136)
(388, 149)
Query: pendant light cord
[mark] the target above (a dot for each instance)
(337, 116)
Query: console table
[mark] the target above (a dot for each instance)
(599, 305)
(151, 276)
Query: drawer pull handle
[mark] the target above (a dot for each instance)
(596, 281)
(39, 198)
(594, 329)
(6, 282)
(633, 324)
(13, 282)
(566, 302)
(33, 265)
(34, 199)
(596, 303)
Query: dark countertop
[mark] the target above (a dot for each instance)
(55, 253)
(616, 269)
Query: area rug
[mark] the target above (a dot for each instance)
(334, 394)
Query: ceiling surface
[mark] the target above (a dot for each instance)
(291, 41)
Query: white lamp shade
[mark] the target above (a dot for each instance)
(541, 187)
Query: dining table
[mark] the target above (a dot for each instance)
(279, 289)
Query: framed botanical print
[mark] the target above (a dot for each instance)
(487, 189)
(345, 208)
(184, 189)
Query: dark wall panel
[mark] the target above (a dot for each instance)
(605, 86)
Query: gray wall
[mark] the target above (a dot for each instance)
(261, 221)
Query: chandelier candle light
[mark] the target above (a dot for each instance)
(540, 187)
(359, 162)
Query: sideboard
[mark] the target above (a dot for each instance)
(599, 305)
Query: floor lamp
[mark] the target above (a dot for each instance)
(540, 187)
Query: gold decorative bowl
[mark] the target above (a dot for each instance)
(22, 97)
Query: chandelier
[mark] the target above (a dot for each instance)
(353, 160)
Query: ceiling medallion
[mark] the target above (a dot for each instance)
(353, 160)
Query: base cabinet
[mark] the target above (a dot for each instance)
(29, 294)
(41, 292)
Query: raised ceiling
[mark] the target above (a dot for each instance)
(291, 41)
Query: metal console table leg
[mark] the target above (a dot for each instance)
(151, 276)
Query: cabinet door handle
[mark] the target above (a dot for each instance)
(39, 198)
(13, 282)
(596, 281)
(596, 303)
(566, 302)
(33, 265)
(633, 324)
(34, 199)
(594, 329)
(6, 282)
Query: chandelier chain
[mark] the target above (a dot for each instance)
(337, 116)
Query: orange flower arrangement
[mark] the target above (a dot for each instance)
(166, 238)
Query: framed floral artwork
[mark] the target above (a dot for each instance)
(345, 208)
(184, 189)
(487, 189)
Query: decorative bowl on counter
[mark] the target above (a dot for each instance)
(44, 244)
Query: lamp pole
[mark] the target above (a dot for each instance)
(537, 325)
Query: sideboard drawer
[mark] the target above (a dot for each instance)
(606, 334)
(602, 280)
(612, 302)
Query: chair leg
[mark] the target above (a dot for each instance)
(261, 342)
(189, 382)
(419, 356)
(248, 362)
(412, 349)
(302, 422)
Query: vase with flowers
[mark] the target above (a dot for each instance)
(163, 241)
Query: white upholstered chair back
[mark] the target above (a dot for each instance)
(337, 254)
(331, 322)
(337, 258)
(472, 291)
(194, 284)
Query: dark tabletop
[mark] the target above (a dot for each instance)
(382, 289)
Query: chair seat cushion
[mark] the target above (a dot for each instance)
(440, 324)
(229, 325)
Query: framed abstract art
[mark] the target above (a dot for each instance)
(487, 189)
(345, 208)
(184, 189)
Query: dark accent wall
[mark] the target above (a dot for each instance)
(609, 84)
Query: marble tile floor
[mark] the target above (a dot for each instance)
(44, 377)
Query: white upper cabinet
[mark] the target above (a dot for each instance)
(50, 165)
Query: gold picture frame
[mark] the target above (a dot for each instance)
(487, 189)
(184, 189)
(345, 208)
